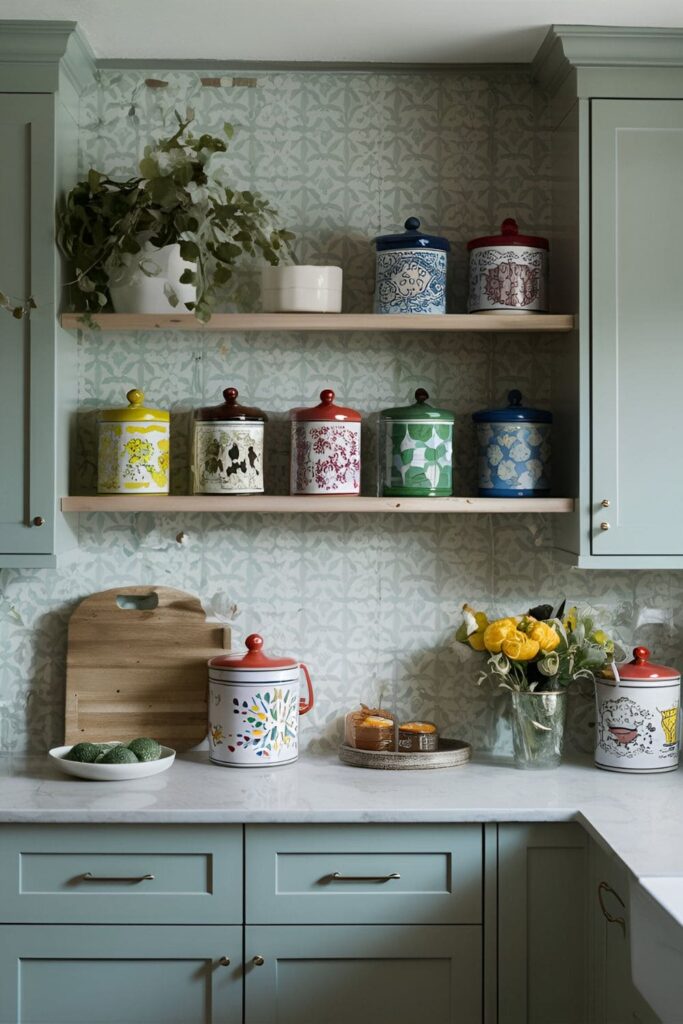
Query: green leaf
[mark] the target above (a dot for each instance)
(189, 250)
(420, 431)
(228, 129)
(171, 294)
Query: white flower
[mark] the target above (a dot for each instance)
(495, 455)
(520, 452)
(507, 470)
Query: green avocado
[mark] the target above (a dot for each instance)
(118, 755)
(86, 753)
(145, 749)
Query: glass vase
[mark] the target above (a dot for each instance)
(538, 721)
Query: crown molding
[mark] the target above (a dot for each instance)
(33, 54)
(568, 48)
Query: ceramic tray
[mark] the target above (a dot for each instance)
(450, 754)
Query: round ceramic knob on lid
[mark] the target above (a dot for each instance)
(643, 669)
(253, 659)
(509, 235)
(421, 409)
(231, 410)
(411, 238)
(326, 410)
(135, 411)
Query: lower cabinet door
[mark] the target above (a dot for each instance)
(305, 974)
(98, 974)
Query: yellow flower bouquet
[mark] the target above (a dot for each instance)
(539, 651)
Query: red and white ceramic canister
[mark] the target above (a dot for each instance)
(254, 707)
(325, 449)
(638, 717)
(508, 272)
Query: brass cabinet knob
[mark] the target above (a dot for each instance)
(224, 961)
(605, 503)
(38, 521)
(258, 960)
(604, 526)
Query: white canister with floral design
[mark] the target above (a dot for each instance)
(254, 707)
(514, 450)
(133, 449)
(227, 448)
(411, 271)
(325, 449)
(508, 272)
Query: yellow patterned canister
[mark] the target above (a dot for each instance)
(133, 450)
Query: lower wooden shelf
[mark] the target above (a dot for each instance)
(267, 503)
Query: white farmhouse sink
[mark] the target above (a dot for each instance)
(657, 944)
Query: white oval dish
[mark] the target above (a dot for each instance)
(111, 772)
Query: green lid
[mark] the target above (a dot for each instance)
(420, 410)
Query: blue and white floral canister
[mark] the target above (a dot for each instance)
(514, 450)
(411, 271)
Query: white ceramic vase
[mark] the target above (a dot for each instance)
(307, 289)
(133, 291)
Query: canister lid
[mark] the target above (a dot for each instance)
(230, 409)
(645, 670)
(509, 236)
(411, 238)
(254, 659)
(327, 410)
(420, 410)
(513, 413)
(135, 411)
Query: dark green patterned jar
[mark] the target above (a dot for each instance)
(416, 450)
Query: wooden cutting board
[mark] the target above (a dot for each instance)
(136, 666)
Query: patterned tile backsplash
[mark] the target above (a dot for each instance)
(369, 602)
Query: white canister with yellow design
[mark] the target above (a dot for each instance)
(133, 450)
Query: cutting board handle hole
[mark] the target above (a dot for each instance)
(138, 602)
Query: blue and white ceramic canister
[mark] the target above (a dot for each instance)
(411, 271)
(514, 450)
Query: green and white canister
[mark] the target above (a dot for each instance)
(416, 450)
(133, 449)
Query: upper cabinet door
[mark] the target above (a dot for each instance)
(27, 379)
(637, 326)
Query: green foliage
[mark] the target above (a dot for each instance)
(17, 309)
(176, 199)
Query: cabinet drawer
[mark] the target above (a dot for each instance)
(364, 874)
(149, 874)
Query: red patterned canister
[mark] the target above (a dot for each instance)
(508, 272)
(325, 449)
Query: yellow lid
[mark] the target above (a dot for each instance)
(134, 411)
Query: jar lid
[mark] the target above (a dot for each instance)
(420, 410)
(230, 409)
(135, 411)
(411, 238)
(515, 412)
(509, 236)
(327, 410)
(253, 660)
(643, 669)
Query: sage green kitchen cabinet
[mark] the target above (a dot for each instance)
(617, 205)
(339, 974)
(112, 974)
(543, 960)
(42, 65)
(615, 998)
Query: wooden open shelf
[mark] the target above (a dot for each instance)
(522, 322)
(267, 503)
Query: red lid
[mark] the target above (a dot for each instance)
(509, 236)
(230, 409)
(327, 410)
(644, 670)
(253, 659)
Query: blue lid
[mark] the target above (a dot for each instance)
(515, 412)
(412, 238)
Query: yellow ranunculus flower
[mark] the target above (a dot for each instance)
(571, 619)
(497, 632)
(546, 636)
(520, 647)
(476, 638)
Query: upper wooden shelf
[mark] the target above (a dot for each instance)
(268, 503)
(523, 322)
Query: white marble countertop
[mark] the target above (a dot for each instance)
(639, 817)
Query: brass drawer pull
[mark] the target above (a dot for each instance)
(604, 887)
(258, 960)
(224, 961)
(89, 877)
(337, 877)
